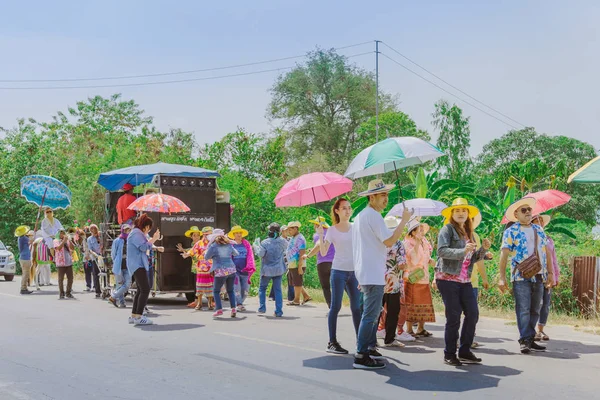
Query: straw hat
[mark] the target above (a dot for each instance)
(57, 237)
(460, 203)
(21, 230)
(391, 222)
(545, 219)
(414, 223)
(237, 229)
(320, 221)
(377, 186)
(477, 220)
(193, 229)
(294, 224)
(31, 233)
(207, 229)
(510, 211)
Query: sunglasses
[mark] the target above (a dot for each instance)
(49, 212)
(525, 210)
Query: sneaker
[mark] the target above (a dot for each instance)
(366, 362)
(381, 334)
(142, 321)
(261, 311)
(98, 295)
(131, 320)
(61, 297)
(395, 343)
(218, 313)
(469, 358)
(278, 315)
(70, 296)
(525, 349)
(335, 348)
(405, 337)
(475, 345)
(26, 291)
(122, 305)
(536, 347)
(87, 289)
(452, 361)
(113, 301)
(375, 355)
(233, 313)
(241, 308)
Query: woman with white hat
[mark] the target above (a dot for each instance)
(417, 291)
(457, 255)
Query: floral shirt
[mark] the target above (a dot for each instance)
(463, 277)
(296, 244)
(199, 264)
(515, 240)
(395, 263)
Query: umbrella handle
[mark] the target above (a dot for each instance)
(39, 210)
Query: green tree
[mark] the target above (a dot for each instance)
(538, 162)
(322, 103)
(454, 140)
(391, 124)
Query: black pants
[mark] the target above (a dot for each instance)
(458, 299)
(324, 271)
(95, 272)
(142, 292)
(391, 319)
(62, 271)
(89, 270)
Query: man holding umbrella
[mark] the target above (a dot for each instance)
(370, 239)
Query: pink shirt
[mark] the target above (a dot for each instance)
(417, 256)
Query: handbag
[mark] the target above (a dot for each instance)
(531, 266)
(75, 256)
(416, 275)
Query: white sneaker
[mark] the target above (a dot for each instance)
(405, 337)
(395, 343)
(381, 334)
(131, 320)
(142, 321)
(241, 308)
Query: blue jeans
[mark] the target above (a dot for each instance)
(367, 330)
(458, 298)
(241, 288)
(276, 289)
(341, 281)
(528, 302)
(229, 282)
(123, 281)
(545, 310)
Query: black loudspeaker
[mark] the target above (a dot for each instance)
(224, 216)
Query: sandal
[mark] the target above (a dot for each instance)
(544, 336)
(307, 300)
(538, 337)
(424, 333)
(291, 303)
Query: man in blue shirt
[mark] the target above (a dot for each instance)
(24, 235)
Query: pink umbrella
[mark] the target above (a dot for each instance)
(546, 200)
(312, 188)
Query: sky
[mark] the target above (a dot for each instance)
(537, 62)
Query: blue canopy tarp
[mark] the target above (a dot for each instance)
(140, 174)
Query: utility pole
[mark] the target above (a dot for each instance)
(377, 90)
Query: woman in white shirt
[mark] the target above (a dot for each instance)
(342, 270)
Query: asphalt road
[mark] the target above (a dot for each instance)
(85, 349)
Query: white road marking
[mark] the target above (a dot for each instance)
(271, 342)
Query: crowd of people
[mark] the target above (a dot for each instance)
(382, 264)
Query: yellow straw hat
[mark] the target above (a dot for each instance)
(320, 221)
(460, 203)
(193, 229)
(21, 230)
(237, 229)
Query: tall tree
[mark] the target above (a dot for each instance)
(322, 103)
(454, 139)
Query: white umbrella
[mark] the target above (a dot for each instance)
(390, 155)
(421, 207)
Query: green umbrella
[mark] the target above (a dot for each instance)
(589, 173)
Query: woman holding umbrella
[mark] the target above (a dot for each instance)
(138, 264)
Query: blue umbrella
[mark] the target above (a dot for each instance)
(45, 191)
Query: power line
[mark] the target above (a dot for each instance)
(450, 93)
(452, 86)
(170, 73)
(161, 82)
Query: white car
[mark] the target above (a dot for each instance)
(8, 265)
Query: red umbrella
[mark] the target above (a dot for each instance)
(546, 200)
(158, 202)
(312, 188)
